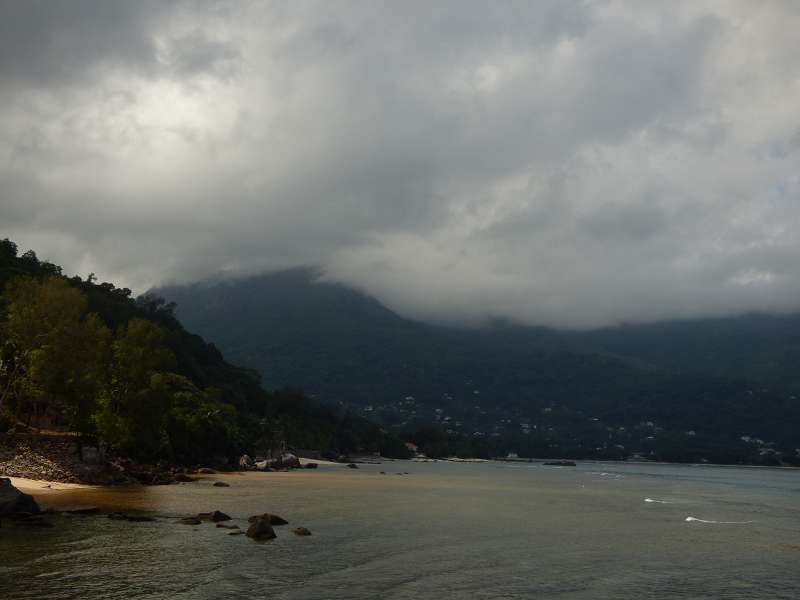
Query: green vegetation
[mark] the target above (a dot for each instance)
(720, 390)
(84, 357)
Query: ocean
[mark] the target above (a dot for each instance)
(430, 531)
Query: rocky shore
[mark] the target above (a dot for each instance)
(53, 458)
(56, 458)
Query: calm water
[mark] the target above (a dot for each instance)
(445, 530)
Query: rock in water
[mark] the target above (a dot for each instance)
(352, 466)
(221, 484)
(271, 519)
(311, 465)
(14, 501)
(260, 529)
(301, 531)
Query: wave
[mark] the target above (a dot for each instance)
(659, 502)
(690, 519)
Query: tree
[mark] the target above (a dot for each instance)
(132, 409)
(54, 352)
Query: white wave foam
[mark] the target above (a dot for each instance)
(690, 519)
(657, 501)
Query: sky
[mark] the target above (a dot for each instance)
(564, 163)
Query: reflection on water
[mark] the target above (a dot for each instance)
(443, 531)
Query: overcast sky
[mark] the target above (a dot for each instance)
(562, 163)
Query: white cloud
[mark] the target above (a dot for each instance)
(565, 163)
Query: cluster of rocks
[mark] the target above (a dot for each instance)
(23, 509)
(284, 462)
(55, 458)
(58, 458)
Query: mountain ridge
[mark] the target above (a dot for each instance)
(521, 388)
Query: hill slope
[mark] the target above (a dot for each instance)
(203, 383)
(612, 393)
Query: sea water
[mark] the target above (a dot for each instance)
(443, 530)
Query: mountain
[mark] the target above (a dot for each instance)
(720, 390)
(196, 405)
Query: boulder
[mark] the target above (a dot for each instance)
(216, 516)
(301, 531)
(273, 519)
(221, 484)
(183, 478)
(352, 466)
(84, 510)
(139, 519)
(12, 500)
(206, 471)
(311, 465)
(260, 529)
(245, 462)
(118, 516)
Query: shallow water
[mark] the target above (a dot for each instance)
(445, 530)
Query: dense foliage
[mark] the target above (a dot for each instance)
(85, 357)
(719, 390)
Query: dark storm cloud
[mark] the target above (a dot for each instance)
(569, 163)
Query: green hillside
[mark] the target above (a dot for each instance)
(82, 356)
(506, 388)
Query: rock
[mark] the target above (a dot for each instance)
(206, 471)
(215, 516)
(12, 500)
(301, 531)
(221, 484)
(226, 526)
(383, 472)
(352, 466)
(273, 519)
(311, 465)
(190, 521)
(260, 529)
(87, 510)
(561, 463)
(35, 521)
(236, 533)
(139, 519)
(183, 478)
(290, 461)
(118, 516)
(245, 462)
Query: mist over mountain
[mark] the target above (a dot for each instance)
(687, 390)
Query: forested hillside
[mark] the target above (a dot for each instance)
(716, 390)
(86, 357)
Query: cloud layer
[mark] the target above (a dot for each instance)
(563, 163)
